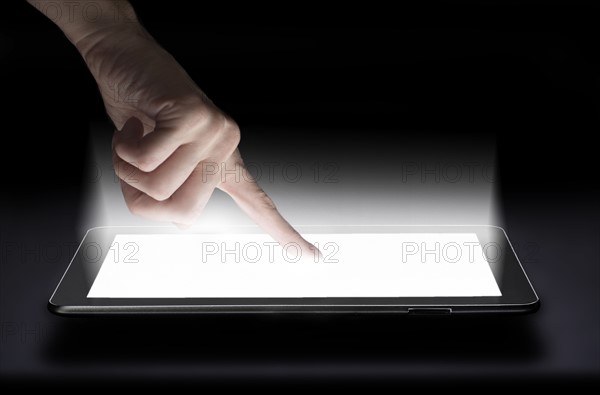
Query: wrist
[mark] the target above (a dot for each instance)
(109, 40)
(88, 22)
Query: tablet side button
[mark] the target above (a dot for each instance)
(429, 310)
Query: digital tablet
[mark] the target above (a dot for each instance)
(362, 269)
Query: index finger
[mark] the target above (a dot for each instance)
(255, 202)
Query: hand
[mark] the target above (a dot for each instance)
(172, 144)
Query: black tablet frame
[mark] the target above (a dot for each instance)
(70, 296)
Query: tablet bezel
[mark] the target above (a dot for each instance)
(70, 296)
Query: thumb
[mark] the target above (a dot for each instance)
(132, 130)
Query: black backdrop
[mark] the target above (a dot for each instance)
(527, 75)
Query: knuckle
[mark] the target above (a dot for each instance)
(146, 161)
(185, 215)
(159, 190)
(187, 211)
(201, 118)
(231, 133)
(215, 126)
(135, 207)
(139, 156)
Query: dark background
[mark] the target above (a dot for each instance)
(526, 75)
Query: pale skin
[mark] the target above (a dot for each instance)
(172, 146)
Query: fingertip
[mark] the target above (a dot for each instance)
(310, 252)
(315, 251)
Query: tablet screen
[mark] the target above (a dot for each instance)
(253, 266)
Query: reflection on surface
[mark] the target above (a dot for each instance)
(248, 340)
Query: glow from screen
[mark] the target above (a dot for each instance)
(253, 266)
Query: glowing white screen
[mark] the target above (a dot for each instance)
(246, 266)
